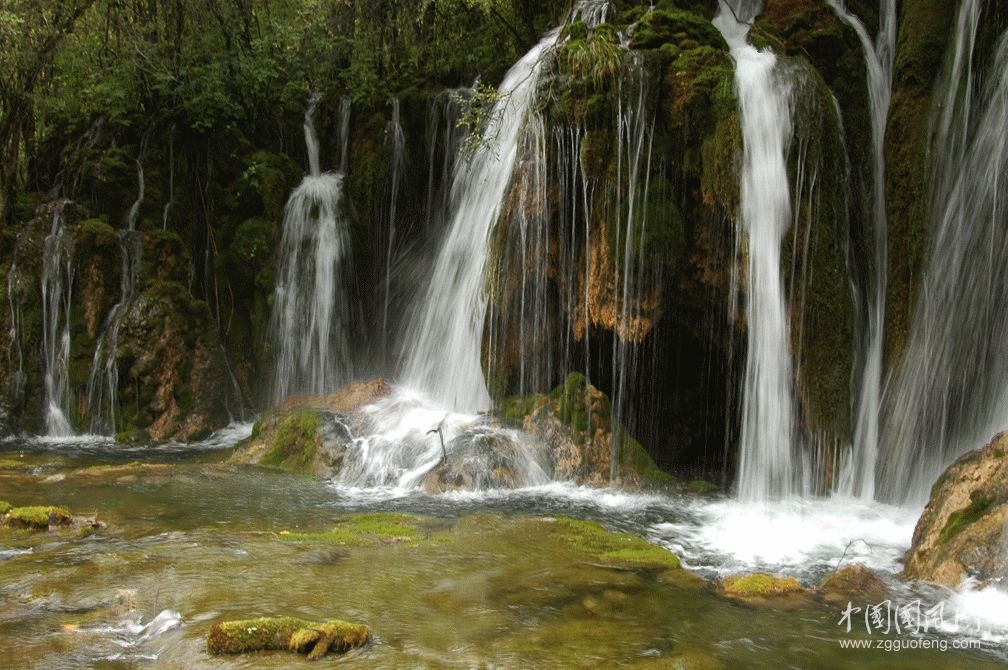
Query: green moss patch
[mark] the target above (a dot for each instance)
(294, 440)
(4, 506)
(614, 548)
(286, 633)
(38, 517)
(366, 530)
(759, 584)
(957, 521)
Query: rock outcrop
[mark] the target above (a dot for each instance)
(963, 532)
(574, 422)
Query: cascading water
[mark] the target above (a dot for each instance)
(859, 476)
(767, 467)
(396, 449)
(443, 350)
(310, 310)
(444, 137)
(636, 127)
(103, 379)
(57, 284)
(397, 140)
(950, 393)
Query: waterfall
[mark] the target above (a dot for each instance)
(344, 133)
(767, 468)
(950, 393)
(445, 133)
(103, 379)
(395, 137)
(444, 341)
(134, 211)
(635, 130)
(57, 284)
(310, 309)
(859, 478)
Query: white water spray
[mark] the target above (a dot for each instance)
(950, 393)
(57, 285)
(443, 343)
(767, 467)
(310, 314)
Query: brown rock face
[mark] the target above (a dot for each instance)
(852, 583)
(963, 531)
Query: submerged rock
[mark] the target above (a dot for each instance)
(286, 633)
(963, 531)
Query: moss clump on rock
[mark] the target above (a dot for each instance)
(980, 502)
(575, 424)
(758, 585)
(294, 440)
(4, 506)
(685, 30)
(38, 517)
(615, 548)
(286, 633)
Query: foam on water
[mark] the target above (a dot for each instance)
(977, 612)
(798, 536)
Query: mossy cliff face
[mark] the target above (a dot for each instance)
(563, 265)
(665, 294)
(169, 365)
(924, 30)
(963, 531)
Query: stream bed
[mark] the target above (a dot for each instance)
(488, 581)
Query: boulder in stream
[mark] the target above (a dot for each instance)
(963, 531)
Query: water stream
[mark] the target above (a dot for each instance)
(859, 476)
(949, 393)
(767, 466)
(57, 292)
(190, 540)
(442, 349)
(310, 311)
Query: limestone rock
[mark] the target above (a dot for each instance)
(310, 433)
(963, 531)
(574, 422)
(852, 583)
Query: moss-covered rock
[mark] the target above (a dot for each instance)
(920, 48)
(762, 589)
(286, 634)
(684, 29)
(962, 531)
(309, 433)
(574, 422)
(39, 517)
(171, 369)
